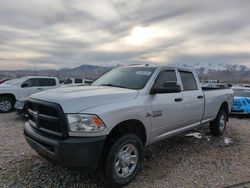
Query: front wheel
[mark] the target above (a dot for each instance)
(123, 160)
(6, 104)
(218, 126)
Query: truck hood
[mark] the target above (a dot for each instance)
(76, 99)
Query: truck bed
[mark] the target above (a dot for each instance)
(214, 98)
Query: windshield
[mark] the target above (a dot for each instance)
(126, 77)
(15, 81)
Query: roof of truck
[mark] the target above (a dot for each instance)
(160, 66)
(39, 77)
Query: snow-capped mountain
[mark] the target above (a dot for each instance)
(234, 73)
(212, 67)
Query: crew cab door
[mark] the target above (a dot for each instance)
(193, 99)
(167, 108)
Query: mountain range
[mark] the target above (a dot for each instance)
(233, 73)
(218, 71)
(214, 67)
(199, 67)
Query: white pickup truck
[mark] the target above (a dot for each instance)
(105, 126)
(12, 90)
(77, 81)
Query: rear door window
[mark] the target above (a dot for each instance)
(188, 81)
(47, 82)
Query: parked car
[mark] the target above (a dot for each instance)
(241, 105)
(108, 124)
(77, 81)
(2, 80)
(13, 90)
(215, 84)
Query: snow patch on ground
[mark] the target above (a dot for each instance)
(195, 135)
(227, 141)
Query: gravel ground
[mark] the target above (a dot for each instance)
(193, 160)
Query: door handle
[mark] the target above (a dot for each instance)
(39, 88)
(200, 97)
(178, 99)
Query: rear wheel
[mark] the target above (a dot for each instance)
(6, 104)
(123, 160)
(218, 126)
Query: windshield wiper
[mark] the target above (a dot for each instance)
(112, 85)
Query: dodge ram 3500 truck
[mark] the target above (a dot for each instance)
(105, 126)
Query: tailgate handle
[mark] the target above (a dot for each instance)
(178, 99)
(200, 97)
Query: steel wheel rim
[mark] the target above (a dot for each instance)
(5, 105)
(222, 123)
(126, 161)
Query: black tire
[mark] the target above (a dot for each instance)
(6, 104)
(110, 174)
(218, 126)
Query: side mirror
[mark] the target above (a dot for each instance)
(24, 85)
(168, 87)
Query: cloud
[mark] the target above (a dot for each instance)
(67, 33)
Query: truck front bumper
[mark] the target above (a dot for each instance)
(70, 152)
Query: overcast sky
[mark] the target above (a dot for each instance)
(68, 33)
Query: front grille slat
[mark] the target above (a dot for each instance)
(47, 117)
(32, 123)
(50, 132)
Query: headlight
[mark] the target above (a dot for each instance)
(85, 123)
(19, 104)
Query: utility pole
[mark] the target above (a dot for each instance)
(35, 71)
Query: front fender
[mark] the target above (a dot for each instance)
(114, 114)
(7, 92)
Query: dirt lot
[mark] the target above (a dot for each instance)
(182, 161)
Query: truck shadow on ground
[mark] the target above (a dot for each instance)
(240, 116)
(159, 160)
